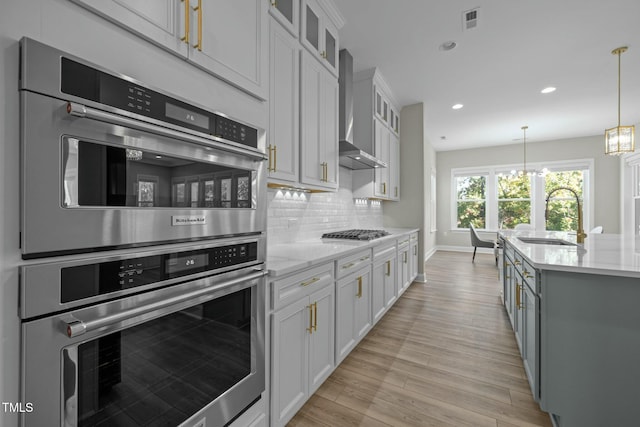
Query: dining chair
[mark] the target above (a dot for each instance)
(477, 242)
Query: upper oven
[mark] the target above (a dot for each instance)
(108, 162)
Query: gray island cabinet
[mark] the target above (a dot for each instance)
(576, 316)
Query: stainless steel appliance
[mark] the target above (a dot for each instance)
(108, 162)
(97, 351)
(356, 234)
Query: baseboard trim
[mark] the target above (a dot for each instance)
(464, 249)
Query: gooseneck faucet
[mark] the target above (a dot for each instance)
(580, 234)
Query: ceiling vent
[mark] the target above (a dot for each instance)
(470, 19)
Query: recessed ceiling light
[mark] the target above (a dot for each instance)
(158, 157)
(448, 45)
(548, 89)
(443, 137)
(457, 106)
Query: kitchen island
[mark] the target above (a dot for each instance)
(575, 316)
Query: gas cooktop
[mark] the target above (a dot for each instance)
(356, 234)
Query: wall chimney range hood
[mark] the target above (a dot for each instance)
(351, 156)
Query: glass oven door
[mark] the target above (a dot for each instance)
(189, 352)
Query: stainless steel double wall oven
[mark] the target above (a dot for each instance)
(143, 217)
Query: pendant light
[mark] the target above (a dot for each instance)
(525, 171)
(620, 139)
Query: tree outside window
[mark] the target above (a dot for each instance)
(514, 200)
(471, 201)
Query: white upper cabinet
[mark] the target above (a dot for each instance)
(287, 13)
(319, 34)
(284, 110)
(225, 37)
(318, 125)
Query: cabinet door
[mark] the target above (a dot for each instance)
(531, 339)
(322, 340)
(363, 305)
(390, 281)
(509, 288)
(329, 132)
(284, 110)
(229, 38)
(161, 22)
(290, 349)
(403, 270)
(378, 291)
(346, 291)
(518, 314)
(380, 105)
(330, 52)
(311, 29)
(415, 262)
(287, 12)
(318, 124)
(394, 167)
(381, 145)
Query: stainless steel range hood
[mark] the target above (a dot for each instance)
(351, 156)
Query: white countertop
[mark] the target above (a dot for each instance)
(286, 258)
(609, 254)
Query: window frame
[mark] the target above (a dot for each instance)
(537, 191)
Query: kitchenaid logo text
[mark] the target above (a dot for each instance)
(187, 220)
(17, 407)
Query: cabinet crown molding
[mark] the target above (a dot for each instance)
(376, 75)
(332, 12)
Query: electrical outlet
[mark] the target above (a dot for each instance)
(201, 423)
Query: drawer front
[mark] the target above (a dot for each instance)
(413, 237)
(291, 288)
(403, 242)
(384, 252)
(509, 252)
(353, 263)
(529, 275)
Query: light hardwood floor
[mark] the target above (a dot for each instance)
(443, 355)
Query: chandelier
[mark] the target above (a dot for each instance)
(525, 171)
(620, 139)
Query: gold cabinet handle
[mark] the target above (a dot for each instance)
(359, 294)
(516, 262)
(389, 268)
(324, 54)
(526, 274)
(187, 13)
(274, 3)
(198, 9)
(415, 250)
(351, 264)
(275, 158)
(384, 188)
(310, 328)
(309, 282)
(315, 316)
(364, 258)
(270, 169)
(517, 295)
(404, 257)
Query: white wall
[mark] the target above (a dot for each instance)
(297, 216)
(66, 26)
(417, 160)
(606, 177)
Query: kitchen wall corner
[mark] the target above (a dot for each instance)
(297, 216)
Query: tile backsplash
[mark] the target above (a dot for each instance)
(297, 216)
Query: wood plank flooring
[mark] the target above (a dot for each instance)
(443, 355)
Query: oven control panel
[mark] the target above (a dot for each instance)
(102, 278)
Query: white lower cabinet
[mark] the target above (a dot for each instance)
(403, 265)
(414, 263)
(383, 282)
(302, 342)
(353, 311)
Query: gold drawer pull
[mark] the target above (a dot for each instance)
(187, 10)
(199, 10)
(526, 274)
(359, 294)
(310, 328)
(308, 282)
(351, 264)
(388, 268)
(364, 258)
(315, 316)
(516, 262)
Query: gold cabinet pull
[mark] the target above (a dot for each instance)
(359, 294)
(516, 262)
(384, 188)
(364, 258)
(526, 274)
(198, 9)
(351, 264)
(187, 13)
(270, 169)
(415, 250)
(404, 257)
(274, 3)
(517, 295)
(324, 54)
(315, 316)
(275, 158)
(308, 282)
(310, 328)
(389, 268)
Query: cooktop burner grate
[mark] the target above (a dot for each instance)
(356, 234)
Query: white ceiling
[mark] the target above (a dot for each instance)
(499, 68)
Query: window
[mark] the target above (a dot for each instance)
(471, 200)
(514, 200)
(495, 199)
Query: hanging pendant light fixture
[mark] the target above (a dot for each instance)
(620, 139)
(525, 171)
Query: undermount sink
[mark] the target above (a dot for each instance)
(546, 241)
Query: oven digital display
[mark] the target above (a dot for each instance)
(185, 263)
(186, 116)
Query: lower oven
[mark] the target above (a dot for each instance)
(170, 336)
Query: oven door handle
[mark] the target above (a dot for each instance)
(75, 327)
(82, 111)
